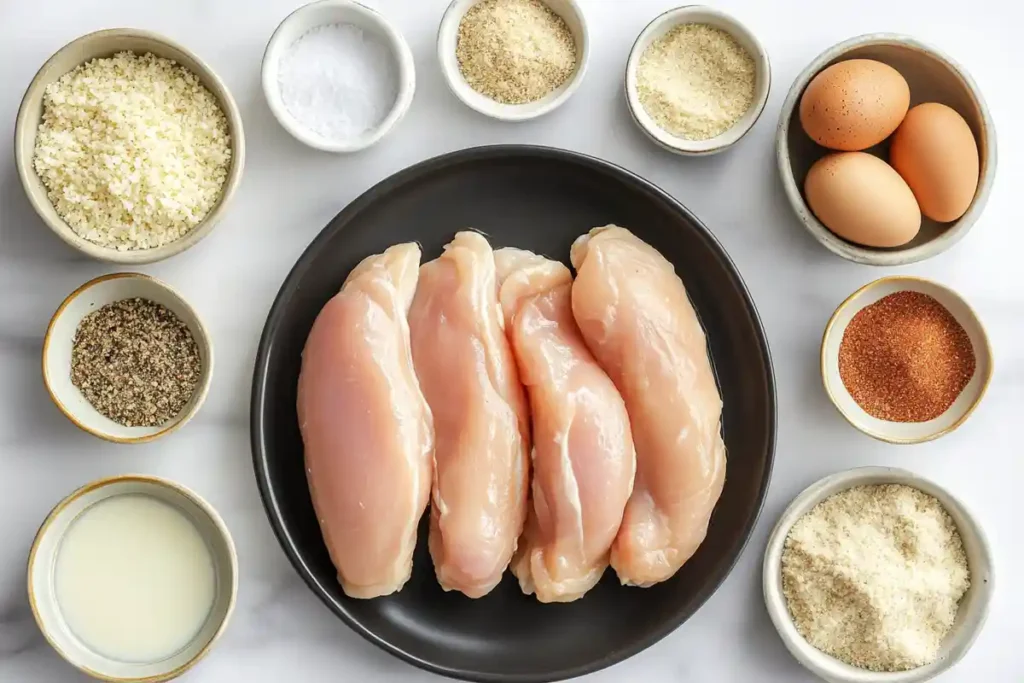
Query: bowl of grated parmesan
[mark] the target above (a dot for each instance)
(129, 146)
(697, 80)
(877, 575)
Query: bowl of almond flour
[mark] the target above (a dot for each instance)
(877, 575)
(129, 146)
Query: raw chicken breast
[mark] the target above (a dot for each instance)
(636, 318)
(583, 458)
(469, 377)
(365, 425)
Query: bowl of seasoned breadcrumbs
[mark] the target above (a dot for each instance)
(129, 146)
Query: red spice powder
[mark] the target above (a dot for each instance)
(905, 358)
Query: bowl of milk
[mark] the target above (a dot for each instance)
(132, 578)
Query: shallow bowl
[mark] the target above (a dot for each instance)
(60, 336)
(905, 432)
(973, 608)
(323, 13)
(933, 77)
(698, 14)
(447, 37)
(46, 607)
(105, 44)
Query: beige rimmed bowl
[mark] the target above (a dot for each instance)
(698, 14)
(60, 335)
(933, 76)
(905, 432)
(447, 38)
(105, 44)
(46, 608)
(974, 606)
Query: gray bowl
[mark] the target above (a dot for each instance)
(933, 77)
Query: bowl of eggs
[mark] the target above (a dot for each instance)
(886, 150)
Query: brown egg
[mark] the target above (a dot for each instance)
(853, 105)
(862, 199)
(936, 153)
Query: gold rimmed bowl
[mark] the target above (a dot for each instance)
(905, 432)
(59, 339)
(45, 603)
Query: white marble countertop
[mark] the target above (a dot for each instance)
(280, 631)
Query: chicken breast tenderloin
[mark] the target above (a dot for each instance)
(366, 428)
(469, 378)
(636, 318)
(583, 457)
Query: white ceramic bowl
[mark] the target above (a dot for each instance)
(447, 37)
(973, 608)
(105, 44)
(905, 432)
(933, 77)
(46, 608)
(57, 353)
(325, 13)
(698, 14)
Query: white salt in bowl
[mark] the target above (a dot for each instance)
(447, 37)
(905, 432)
(698, 14)
(59, 340)
(973, 607)
(325, 13)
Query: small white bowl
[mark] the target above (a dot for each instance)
(698, 14)
(46, 608)
(933, 76)
(447, 37)
(325, 13)
(973, 608)
(905, 432)
(61, 333)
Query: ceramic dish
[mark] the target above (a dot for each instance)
(447, 37)
(61, 333)
(905, 432)
(46, 608)
(105, 44)
(324, 13)
(973, 608)
(698, 14)
(933, 77)
(541, 199)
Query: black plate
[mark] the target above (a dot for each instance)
(539, 199)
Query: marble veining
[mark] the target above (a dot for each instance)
(279, 630)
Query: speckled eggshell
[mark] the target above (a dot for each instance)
(936, 153)
(853, 105)
(862, 199)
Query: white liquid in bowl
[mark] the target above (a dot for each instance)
(134, 579)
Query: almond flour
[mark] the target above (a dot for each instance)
(874, 576)
(514, 51)
(696, 81)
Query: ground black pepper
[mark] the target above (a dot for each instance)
(136, 362)
(905, 358)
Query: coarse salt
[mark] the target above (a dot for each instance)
(339, 80)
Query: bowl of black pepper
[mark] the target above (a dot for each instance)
(127, 359)
(905, 360)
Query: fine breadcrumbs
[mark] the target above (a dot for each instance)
(133, 150)
(514, 51)
(874, 575)
(696, 81)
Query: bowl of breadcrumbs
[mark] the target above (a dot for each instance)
(877, 575)
(129, 146)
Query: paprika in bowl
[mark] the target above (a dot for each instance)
(905, 360)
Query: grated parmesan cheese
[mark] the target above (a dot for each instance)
(133, 150)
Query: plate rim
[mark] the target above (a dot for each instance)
(383, 188)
